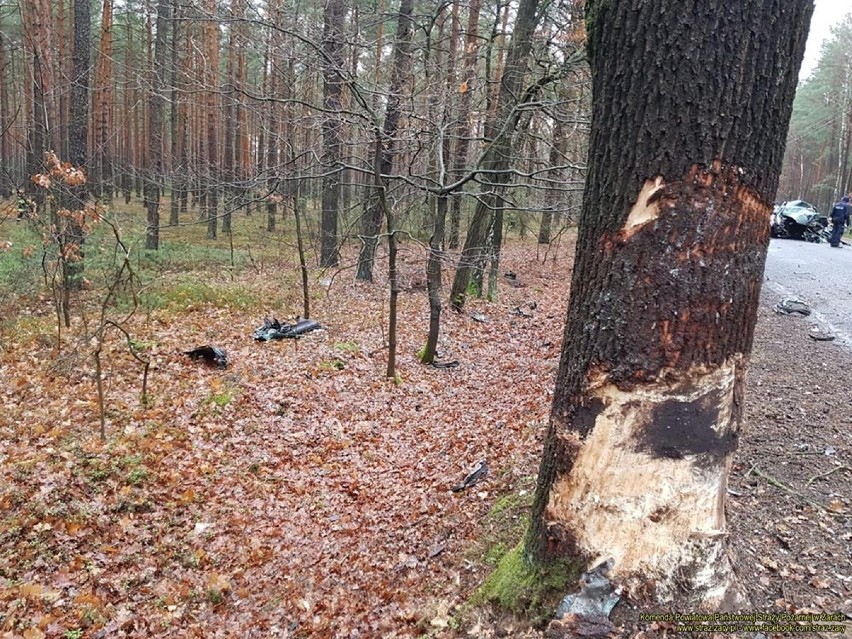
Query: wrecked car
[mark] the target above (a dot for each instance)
(798, 220)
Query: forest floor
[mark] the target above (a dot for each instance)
(299, 493)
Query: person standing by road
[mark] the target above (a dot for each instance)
(839, 219)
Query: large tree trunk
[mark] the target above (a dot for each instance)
(331, 126)
(178, 122)
(683, 169)
(65, 69)
(495, 241)
(242, 153)
(385, 146)
(269, 152)
(128, 114)
(37, 27)
(78, 129)
(440, 203)
(230, 141)
(101, 102)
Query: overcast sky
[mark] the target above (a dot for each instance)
(827, 13)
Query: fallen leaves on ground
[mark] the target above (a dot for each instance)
(295, 493)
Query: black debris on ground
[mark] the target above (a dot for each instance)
(212, 355)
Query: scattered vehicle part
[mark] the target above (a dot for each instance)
(451, 364)
(273, 329)
(597, 595)
(212, 355)
(790, 305)
(474, 476)
(821, 333)
(586, 613)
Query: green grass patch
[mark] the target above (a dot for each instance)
(20, 260)
(180, 255)
(513, 502)
(193, 294)
(182, 275)
(221, 395)
(98, 474)
(332, 365)
(515, 585)
(222, 399)
(27, 330)
(137, 476)
(348, 347)
(131, 461)
(494, 554)
(142, 345)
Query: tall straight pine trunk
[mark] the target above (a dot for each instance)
(5, 155)
(332, 124)
(498, 158)
(75, 199)
(385, 146)
(462, 145)
(155, 175)
(213, 168)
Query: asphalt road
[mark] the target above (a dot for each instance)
(816, 274)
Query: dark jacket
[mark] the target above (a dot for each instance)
(840, 212)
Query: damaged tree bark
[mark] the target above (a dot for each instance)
(691, 105)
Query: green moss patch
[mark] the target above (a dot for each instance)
(518, 585)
